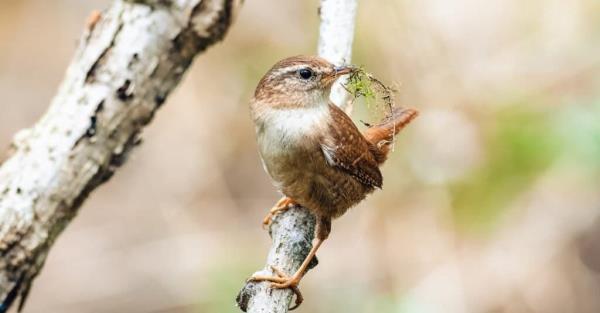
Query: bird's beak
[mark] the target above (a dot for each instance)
(337, 72)
(342, 70)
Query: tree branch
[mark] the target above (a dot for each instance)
(292, 232)
(336, 35)
(129, 59)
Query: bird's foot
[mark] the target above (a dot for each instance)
(282, 281)
(281, 206)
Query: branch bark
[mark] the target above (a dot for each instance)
(336, 35)
(128, 61)
(292, 232)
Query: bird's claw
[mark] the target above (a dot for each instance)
(282, 205)
(282, 281)
(268, 220)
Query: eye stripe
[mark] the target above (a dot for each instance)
(289, 69)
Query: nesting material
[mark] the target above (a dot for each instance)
(364, 84)
(376, 94)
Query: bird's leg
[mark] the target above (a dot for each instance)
(282, 280)
(282, 205)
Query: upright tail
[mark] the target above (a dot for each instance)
(381, 136)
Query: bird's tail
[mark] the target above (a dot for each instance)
(381, 136)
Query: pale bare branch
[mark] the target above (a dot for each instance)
(128, 61)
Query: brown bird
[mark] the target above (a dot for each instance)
(312, 150)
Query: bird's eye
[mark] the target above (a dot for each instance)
(305, 73)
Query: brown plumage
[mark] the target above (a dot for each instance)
(312, 150)
(381, 136)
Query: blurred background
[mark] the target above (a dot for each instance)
(491, 201)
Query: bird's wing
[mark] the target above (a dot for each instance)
(347, 149)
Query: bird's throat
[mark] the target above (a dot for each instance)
(283, 128)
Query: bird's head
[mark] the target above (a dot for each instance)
(298, 81)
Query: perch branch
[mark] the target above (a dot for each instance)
(128, 61)
(292, 232)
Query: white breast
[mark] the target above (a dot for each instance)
(280, 129)
(283, 132)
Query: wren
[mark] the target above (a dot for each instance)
(313, 152)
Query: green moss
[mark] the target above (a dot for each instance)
(359, 85)
(362, 84)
